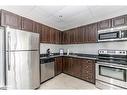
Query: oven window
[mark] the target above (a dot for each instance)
(110, 35)
(112, 72)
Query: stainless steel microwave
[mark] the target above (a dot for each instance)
(113, 34)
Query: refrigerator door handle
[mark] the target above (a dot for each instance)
(9, 41)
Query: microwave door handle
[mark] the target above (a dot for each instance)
(120, 34)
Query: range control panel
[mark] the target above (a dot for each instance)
(112, 52)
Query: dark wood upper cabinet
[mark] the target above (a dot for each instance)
(10, 19)
(60, 40)
(51, 36)
(119, 21)
(91, 33)
(57, 36)
(66, 37)
(42, 38)
(80, 35)
(47, 34)
(85, 34)
(105, 24)
(27, 24)
(72, 36)
(37, 28)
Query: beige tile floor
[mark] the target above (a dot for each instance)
(64, 81)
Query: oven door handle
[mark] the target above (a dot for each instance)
(112, 65)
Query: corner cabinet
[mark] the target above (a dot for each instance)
(10, 19)
(80, 68)
(58, 65)
(80, 35)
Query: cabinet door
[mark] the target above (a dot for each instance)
(52, 36)
(72, 36)
(63, 37)
(104, 24)
(66, 37)
(47, 34)
(85, 34)
(42, 34)
(58, 65)
(27, 24)
(76, 67)
(88, 70)
(37, 27)
(80, 35)
(57, 36)
(10, 19)
(76, 36)
(67, 65)
(119, 21)
(60, 34)
(91, 32)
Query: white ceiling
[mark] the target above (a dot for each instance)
(72, 16)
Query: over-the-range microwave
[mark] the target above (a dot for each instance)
(113, 34)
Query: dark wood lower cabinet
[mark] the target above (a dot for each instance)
(80, 68)
(58, 65)
(67, 65)
(76, 67)
(88, 70)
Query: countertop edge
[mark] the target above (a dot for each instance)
(75, 56)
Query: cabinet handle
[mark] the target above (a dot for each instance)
(88, 61)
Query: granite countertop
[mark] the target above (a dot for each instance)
(86, 56)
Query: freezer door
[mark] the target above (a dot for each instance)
(21, 40)
(2, 58)
(24, 70)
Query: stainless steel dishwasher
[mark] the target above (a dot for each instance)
(47, 69)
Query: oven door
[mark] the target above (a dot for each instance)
(109, 36)
(113, 74)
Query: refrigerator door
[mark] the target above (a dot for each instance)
(2, 59)
(22, 54)
(35, 69)
(22, 40)
(24, 70)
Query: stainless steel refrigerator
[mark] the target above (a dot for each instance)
(19, 59)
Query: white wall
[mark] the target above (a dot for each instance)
(53, 48)
(91, 48)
